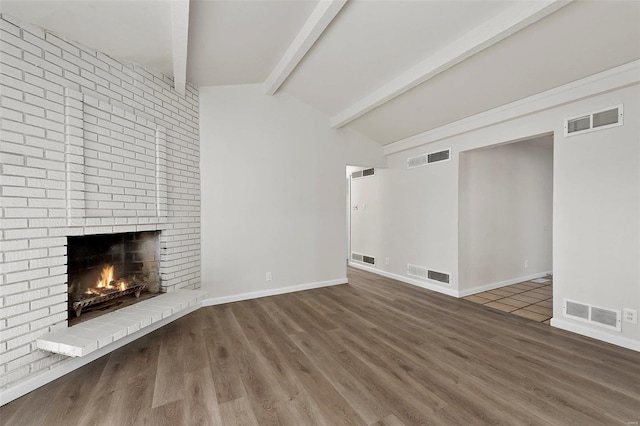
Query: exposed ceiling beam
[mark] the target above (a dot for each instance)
(517, 17)
(180, 39)
(318, 21)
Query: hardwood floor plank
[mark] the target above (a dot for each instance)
(237, 412)
(170, 414)
(265, 396)
(308, 374)
(374, 351)
(201, 405)
(349, 387)
(223, 363)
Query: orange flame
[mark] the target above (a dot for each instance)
(106, 277)
(106, 283)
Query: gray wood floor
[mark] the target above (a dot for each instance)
(372, 352)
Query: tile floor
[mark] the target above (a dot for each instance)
(527, 299)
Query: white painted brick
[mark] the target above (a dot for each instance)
(38, 41)
(14, 234)
(22, 128)
(16, 277)
(11, 355)
(12, 93)
(26, 296)
(62, 44)
(48, 281)
(23, 107)
(8, 267)
(54, 318)
(25, 319)
(16, 170)
(10, 191)
(25, 360)
(46, 302)
(10, 311)
(47, 242)
(26, 213)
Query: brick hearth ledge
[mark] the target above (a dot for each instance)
(89, 336)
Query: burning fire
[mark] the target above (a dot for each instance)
(107, 284)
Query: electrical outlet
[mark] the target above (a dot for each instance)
(268, 276)
(526, 263)
(386, 260)
(630, 315)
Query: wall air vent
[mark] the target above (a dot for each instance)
(438, 276)
(608, 318)
(424, 159)
(605, 317)
(420, 160)
(603, 119)
(363, 258)
(436, 157)
(416, 271)
(576, 309)
(363, 173)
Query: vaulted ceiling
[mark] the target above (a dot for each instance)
(389, 69)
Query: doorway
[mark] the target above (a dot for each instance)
(505, 226)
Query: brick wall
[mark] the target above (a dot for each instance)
(89, 145)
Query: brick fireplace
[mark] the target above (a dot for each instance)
(90, 146)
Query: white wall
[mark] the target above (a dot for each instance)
(505, 213)
(273, 191)
(596, 213)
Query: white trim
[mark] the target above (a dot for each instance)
(271, 292)
(72, 364)
(407, 280)
(487, 287)
(316, 24)
(485, 35)
(615, 78)
(179, 43)
(600, 335)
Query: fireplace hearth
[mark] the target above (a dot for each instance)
(107, 272)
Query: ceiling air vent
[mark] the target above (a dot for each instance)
(363, 173)
(608, 318)
(604, 119)
(363, 258)
(416, 271)
(438, 276)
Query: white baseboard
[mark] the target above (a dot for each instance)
(417, 283)
(271, 292)
(625, 342)
(499, 284)
(71, 364)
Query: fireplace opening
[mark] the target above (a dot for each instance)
(111, 271)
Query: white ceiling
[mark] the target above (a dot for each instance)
(367, 48)
(131, 30)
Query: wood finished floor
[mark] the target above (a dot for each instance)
(372, 352)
